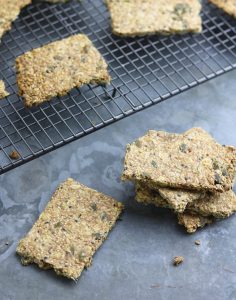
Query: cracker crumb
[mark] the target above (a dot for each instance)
(178, 260)
(197, 242)
(14, 155)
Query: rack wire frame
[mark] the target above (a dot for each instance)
(144, 71)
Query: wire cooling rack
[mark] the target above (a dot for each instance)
(144, 70)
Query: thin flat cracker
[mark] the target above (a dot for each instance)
(69, 231)
(10, 9)
(144, 17)
(192, 161)
(56, 68)
(219, 205)
(228, 6)
(192, 222)
(3, 91)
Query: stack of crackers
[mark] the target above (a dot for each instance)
(189, 173)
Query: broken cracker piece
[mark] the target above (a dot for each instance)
(219, 205)
(192, 160)
(3, 92)
(56, 68)
(178, 199)
(10, 9)
(192, 222)
(228, 6)
(69, 231)
(145, 17)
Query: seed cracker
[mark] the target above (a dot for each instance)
(219, 205)
(192, 160)
(3, 92)
(56, 68)
(10, 9)
(69, 231)
(144, 17)
(228, 6)
(192, 222)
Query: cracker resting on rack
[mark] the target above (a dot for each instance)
(54, 69)
(69, 231)
(3, 91)
(9, 11)
(228, 6)
(145, 17)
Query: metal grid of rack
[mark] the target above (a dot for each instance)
(144, 70)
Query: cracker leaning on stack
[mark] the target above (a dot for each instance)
(189, 173)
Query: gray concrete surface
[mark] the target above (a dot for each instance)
(135, 261)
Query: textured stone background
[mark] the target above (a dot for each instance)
(135, 261)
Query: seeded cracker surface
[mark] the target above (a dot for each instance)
(229, 6)
(144, 17)
(9, 11)
(72, 227)
(3, 92)
(58, 67)
(192, 160)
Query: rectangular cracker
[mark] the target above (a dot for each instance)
(10, 9)
(56, 68)
(145, 17)
(192, 222)
(69, 231)
(192, 160)
(3, 91)
(228, 6)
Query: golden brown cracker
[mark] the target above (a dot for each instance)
(69, 231)
(56, 68)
